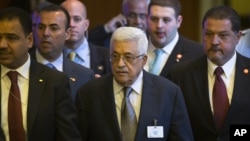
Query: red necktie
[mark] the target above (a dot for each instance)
(15, 121)
(220, 99)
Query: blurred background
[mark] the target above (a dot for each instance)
(100, 11)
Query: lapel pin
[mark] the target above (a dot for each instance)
(72, 79)
(178, 57)
(100, 67)
(246, 71)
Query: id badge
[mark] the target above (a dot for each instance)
(155, 131)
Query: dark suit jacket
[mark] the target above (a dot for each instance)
(188, 49)
(51, 115)
(191, 76)
(99, 36)
(99, 59)
(161, 100)
(78, 75)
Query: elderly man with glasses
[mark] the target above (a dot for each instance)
(131, 104)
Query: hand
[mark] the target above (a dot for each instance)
(114, 23)
(97, 75)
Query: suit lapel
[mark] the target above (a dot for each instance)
(94, 60)
(147, 95)
(199, 75)
(36, 87)
(241, 87)
(69, 71)
(108, 103)
(173, 57)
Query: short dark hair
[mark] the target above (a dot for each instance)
(54, 8)
(224, 12)
(175, 4)
(12, 13)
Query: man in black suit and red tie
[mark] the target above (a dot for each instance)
(212, 113)
(44, 102)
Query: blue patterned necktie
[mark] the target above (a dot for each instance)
(128, 117)
(155, 67)
(51, 66)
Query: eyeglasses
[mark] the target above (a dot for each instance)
(126, 58)
(135, 15)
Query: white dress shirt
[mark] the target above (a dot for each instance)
(135, 96)
(228, 77)
(58, 63)
(23, 83)
(167, 49)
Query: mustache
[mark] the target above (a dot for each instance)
(4, 51)
(214, 47)
(121, 70)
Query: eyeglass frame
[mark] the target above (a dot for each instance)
(137, 15)
(123, 57)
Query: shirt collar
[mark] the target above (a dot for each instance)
(168, 48)
(58, 63)
(81, 51)
(22, 70)
(136, 86)
(227, 67)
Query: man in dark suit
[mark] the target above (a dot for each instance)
(156, 104)
(134, 13)
(52, 30)
(43, 107)
(77, 48)
(221, 33)
(164, 19)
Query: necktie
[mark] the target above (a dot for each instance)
(72, 56)
(128, 117)
(220, 99)
(51, 66)
(155, 68)
(15, 120)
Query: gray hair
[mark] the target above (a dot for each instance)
(131, 34)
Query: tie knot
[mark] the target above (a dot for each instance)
(158, 52)
(13, 76)
(51, 66)
(127, 91)
(218, 71)
(72, 55)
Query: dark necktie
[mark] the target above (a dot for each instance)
(15, 120)
(220, 99)
(128, 117)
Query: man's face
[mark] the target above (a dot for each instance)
(162, 25)
(125, 73)
(136, 13)
(14, 44)
(219, 40)
(78, 22)
(51, 32)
